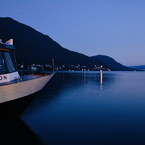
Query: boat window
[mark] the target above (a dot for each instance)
(2, 66)
(9, 63)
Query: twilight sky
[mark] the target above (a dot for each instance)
(109, 27)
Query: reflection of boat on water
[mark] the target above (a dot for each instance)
(18, 133)
(15, 93)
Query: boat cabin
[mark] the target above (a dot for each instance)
(8, 67)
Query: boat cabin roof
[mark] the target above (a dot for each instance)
(7, 46)
(4, 46)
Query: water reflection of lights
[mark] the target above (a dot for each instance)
(84, 77)
(101, 79)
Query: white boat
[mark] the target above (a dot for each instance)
(16, 93)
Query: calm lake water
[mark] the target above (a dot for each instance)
(88, 108)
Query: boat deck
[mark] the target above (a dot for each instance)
(31, 76)
(26, 77)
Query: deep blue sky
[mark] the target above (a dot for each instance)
(109, 27)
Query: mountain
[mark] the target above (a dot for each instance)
(35, 47)
(110, 63)
(140, 67)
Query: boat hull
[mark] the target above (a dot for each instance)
(13, 109)
(15, 97)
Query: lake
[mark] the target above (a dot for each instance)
(87, 108)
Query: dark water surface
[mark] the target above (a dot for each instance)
(89, 108)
